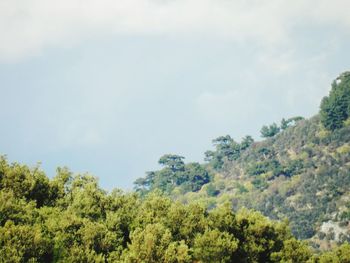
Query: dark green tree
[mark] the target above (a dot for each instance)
(175, 173)
(335, 108)
(246, 142)
(143, 184)
(291, 121)
(174, 162)
(194, 177)
(225, 149)
(270, 130)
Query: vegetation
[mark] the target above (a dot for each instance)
(335, 109)
(187, 177)
(270, 131)
(226, 149)
(300, 172)
(70, 219)
(298, 177)
(273, 129)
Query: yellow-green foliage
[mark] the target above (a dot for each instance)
(79, 222)
(293, 251)
(71, 219)
(347, 122)
(338, 255)
(344, 149)
(323, 133)
(24, 243)
(214, 246)
(303, 156)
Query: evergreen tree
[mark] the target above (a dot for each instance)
(270, 130)
(335, 109)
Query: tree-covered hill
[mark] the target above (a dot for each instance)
(250, 202)
(71, 219)
(300, 171)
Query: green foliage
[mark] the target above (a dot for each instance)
(148, 244)
(189, 177)
(79, 222)
(270, 130)
(30, 184)
(226, 149)
(215, 246)
(301, 174)
(338, 255)
(298, 175)
(345, 215)
(293, 251)
(15, 209)
(173, 162)
(247, 141)
(291, 121)
(211, 190)
(24, 243)
(177, 252)
(264, 167)
(335, 109)
(293, 167)
(195, 175)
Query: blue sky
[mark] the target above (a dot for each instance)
(107, 87)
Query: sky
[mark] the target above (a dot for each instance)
(107, 87)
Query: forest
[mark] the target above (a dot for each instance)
(71, 219)
(282, 199)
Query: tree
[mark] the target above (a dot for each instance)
(284, 124)
(31, 184)
(335, 109)
(293, 251)
(269, 131)
(194, 177)
(338, 255)
(226, 146)
(143, 184)
(291, 121)
(148, 244)
(225, 149)
(83, 223)
(177, 252)
(174, 162)
(166, 179)
(188, 177)
(246, 142)
(215, 246)
(24, 243)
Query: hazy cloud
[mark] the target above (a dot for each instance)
(26, 27)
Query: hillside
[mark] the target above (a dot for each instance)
(300, 172)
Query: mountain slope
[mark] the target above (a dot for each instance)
(300, 172)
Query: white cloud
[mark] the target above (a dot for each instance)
(26, 27)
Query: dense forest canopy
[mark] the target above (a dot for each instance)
(71, 219)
